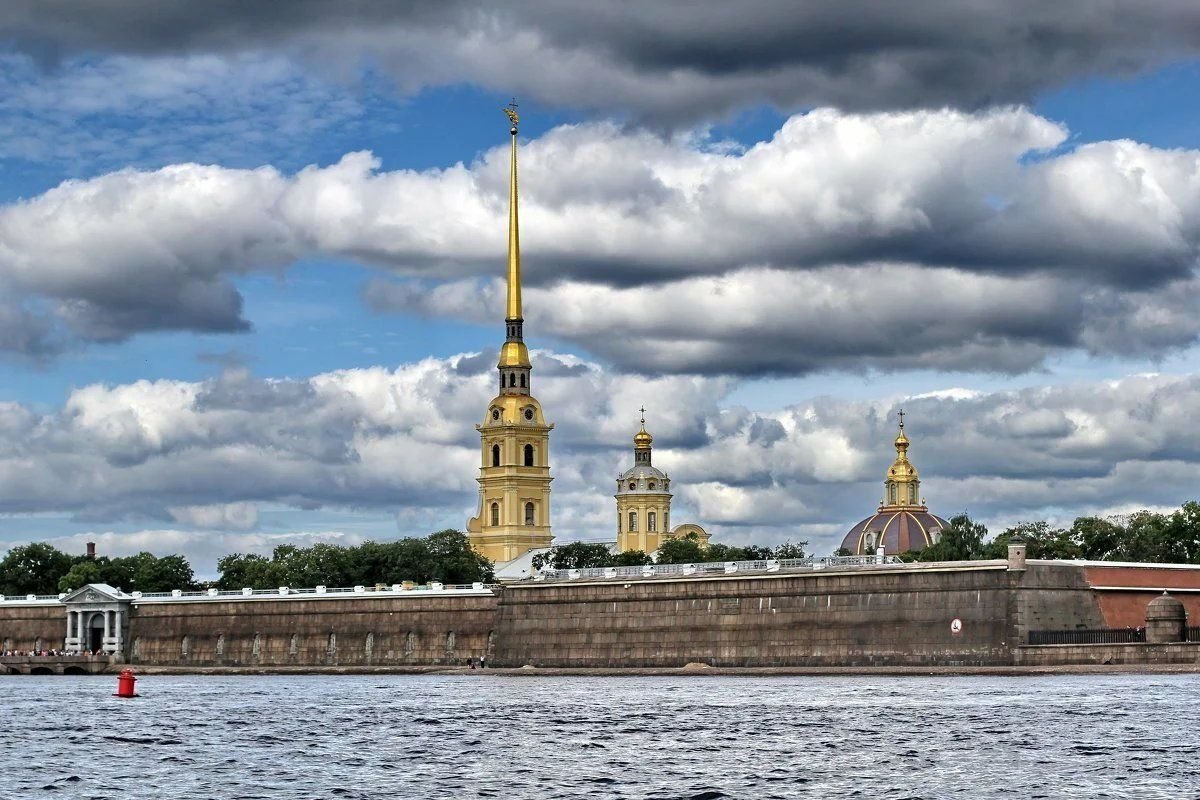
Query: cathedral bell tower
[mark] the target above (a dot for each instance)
(514, 476)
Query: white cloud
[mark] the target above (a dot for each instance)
(894, 240)
(203, 457)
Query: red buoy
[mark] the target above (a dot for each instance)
(125, 683)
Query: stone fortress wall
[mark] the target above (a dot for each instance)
(872, 615)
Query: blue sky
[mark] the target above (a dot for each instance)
(282, 342)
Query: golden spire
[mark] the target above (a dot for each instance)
(514, 354)
(902, 485)
(514, 235)
(642, 439)
(901, 440)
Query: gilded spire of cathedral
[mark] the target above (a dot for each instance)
(514, 354)
(514, 474)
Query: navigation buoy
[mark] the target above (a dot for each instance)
(125, 682)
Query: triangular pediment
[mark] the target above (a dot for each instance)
(96, 593)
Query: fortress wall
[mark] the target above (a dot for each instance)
(852, 617)
(407, 630)
(22, 626)
(1184, 653)
(1052, 595)
(1124, 590)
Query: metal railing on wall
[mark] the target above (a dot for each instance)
(1192, 633)
(282, 591)
(1089, 636)
(714, 567)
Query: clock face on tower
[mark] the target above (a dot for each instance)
(495, 413)
(529, 414)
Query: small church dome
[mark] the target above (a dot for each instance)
(903, 521)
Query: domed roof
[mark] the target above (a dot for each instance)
(898, 531)
(642, 472)
(1165, 607)
(642, 438)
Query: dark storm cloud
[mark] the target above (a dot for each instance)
(668, 61)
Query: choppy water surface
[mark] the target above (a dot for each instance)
(697, 737)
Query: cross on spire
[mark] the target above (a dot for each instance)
(900, 414)
(643, 410)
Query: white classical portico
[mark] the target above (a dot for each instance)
(96, 618)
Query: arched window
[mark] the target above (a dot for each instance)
(651, 485)
(529, 514)
(632, 485)
(651, 521)
(912, 493)
(522, 380)
(870, 540)
(512, 379)
(495, 513)
(667, 520)
(892, 493)
(495, 455)
(632, 521)
(529, 455)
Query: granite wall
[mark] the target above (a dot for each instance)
(395, 630)
(32, 627)
(849, 616)
(854, 616)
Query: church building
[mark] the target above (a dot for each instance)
(644, 502)
(514, 476)
(903, 521)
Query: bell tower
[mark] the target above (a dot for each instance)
(514, 475)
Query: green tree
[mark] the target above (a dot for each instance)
(632, 558)
(961, 540)
(1041, 541)
(681, 551)
(575, 555)
(1099, 539)
(790, 550)
(33, 568)
(82, 572)
(1184, 532)
(455, 561)
(242, 570)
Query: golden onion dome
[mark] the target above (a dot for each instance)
(642, 439)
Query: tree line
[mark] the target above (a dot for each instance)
(1145, 536)
(445, 556)
(685, 550)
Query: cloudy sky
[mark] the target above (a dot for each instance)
(251, 261)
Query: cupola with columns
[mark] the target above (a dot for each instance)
(903, 521)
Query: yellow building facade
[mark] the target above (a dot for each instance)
(514, 475)
(644, 502)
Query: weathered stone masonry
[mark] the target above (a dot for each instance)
(880, 615)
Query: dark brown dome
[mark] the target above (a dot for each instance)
(898, 530)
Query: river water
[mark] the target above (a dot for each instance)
(480, 735)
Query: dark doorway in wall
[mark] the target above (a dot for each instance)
(95, 633)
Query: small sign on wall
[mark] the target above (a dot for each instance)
(956, 626)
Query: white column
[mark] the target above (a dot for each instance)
(117, 633)
(68, 629)
(107, 625)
